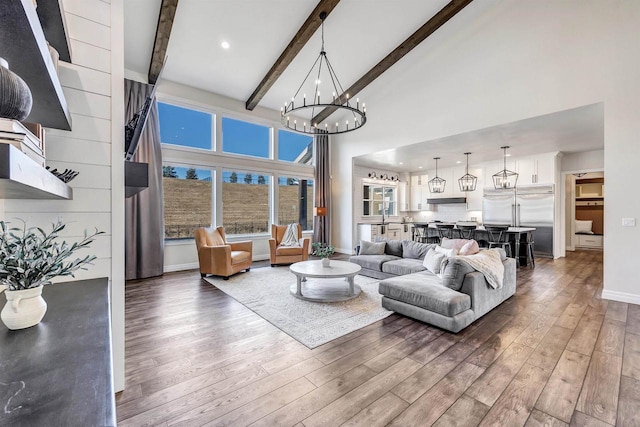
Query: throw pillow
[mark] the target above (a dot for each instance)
(454, 273)
(370, 248)
(415, 250)
(584, 226)
(470, 248)
(433, 261)
(393, 247)
(446, 252)
(456, 244)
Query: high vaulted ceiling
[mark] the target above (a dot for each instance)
(358, 34)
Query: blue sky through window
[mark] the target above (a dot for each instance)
(192, 128)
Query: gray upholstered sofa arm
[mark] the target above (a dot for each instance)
(483, 297)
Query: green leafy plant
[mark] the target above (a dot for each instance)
(30, 257)
(322, 250)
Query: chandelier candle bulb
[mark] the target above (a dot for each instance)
(357, 103)
(304, 100)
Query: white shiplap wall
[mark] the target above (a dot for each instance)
(89, 148)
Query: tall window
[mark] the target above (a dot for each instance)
(294, 147)
(185, 127)
(245, 202)
(245, 138)
(295, 201)
(187, 200)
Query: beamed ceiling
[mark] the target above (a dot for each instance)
(359, 34)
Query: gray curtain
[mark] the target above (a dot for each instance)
(144, 223)
(322, 175)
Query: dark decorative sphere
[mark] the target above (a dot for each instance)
(15, 96)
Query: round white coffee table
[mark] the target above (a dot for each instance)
(331, 288)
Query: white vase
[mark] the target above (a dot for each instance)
(24, 308)
(326, 262)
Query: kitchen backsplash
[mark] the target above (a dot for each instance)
(447, 213)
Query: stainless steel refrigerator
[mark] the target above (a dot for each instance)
(526, 206)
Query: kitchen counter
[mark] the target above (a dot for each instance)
(58, 373)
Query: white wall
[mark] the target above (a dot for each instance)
(585, 160)
(503, 61)
(95, 102)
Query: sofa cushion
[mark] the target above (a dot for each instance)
(372, 262)
(415, 250)
(288, 250)
(454, 273)
(393, 247)
(425, 290)
(433, 260)
(403, 266)
(370, 248)
(446, 252)
(238, 257)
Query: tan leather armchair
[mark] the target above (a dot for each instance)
(219, 257)
(287, 254)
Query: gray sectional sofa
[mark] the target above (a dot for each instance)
(452, 302)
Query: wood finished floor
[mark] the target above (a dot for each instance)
(555, 354)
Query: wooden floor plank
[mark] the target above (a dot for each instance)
(631, 358)
(516, 403)
(465, 412)
(551, 347)
(629, 404)
(431, 405)
(617, 311)
(540, 419)
(379, 413)
(582, 420)
(560, 395)
(322, 396)
(611, 337)
(586, 334)
(497, 377)
(599, 395)
(344, 408)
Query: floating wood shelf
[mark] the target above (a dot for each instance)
(23, 45)
(23, 178)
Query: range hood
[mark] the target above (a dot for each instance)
(447, 201)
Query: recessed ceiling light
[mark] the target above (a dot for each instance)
(459, 161)
(401, 163)
(419, 167)
(507, 155)
(225, 45)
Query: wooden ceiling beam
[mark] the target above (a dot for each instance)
(438, 20)
(296, 44)
(163, 32)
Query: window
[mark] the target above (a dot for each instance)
(185, 127)
(187, 200)
(244, 138)
(295, 201)
(245, 202)
(375, 198)
(294, 147)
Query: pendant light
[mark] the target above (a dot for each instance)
(436, 185)
(505, 178)
(468, 182)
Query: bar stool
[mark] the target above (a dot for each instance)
(498, 237)
(445, 230)
(530, 244)
(420, 234)
(467, 231)
(433, 236)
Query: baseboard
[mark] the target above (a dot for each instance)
(621, 296)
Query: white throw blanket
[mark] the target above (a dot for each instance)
(488, 263)
(290, 237)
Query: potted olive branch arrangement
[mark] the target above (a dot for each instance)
(323, 251)
(29, 259)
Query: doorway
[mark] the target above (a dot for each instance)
(584, 213)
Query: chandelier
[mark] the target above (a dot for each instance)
(307, 109)
(468, 182)
(384, 177)
(579, 174)
(505, 178)
(436, 185)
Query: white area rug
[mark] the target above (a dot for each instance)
(266, 292)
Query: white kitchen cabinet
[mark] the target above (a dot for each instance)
(369, 232)
(474, 198)
(536, 169)
(588, 241)
(403, 196)
(394, 231)
(419, 192)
